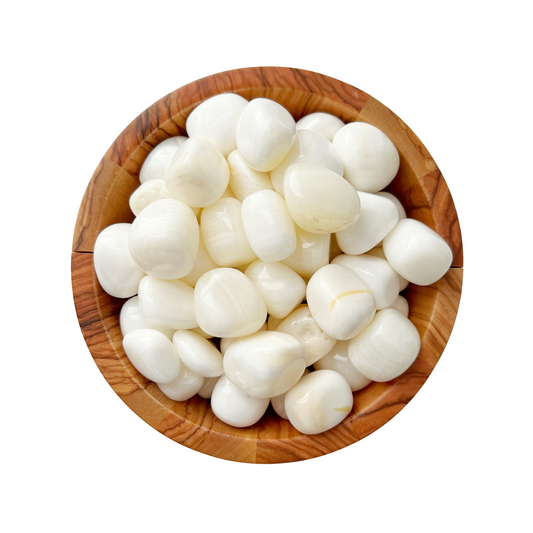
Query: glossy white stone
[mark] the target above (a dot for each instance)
(243, 179)
(281, 288)
(378, 252)
(265, 134)
(337, 359)
(198, 354)
(146, 193)
(164, 239)
(207, 388)
(227, 304)
(278, 402)
(117, 272)
(397, 203)
(340, 302)
(370, 159)
(268, 226)
(234, 407)
(312, 252)
(301, 325)
(319, 200)
(198, 173)
(131, 319)
(184, 387)
(227, 342)
(321, 123)
(377, 218)
(386, 348)
(216, 119)
(152, 354)
(318, 402)
(202, 264)
(223, 234)
(417, 253)
(156, 163)
(265, 364)
(401, 305)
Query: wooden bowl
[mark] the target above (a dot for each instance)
(420, 187)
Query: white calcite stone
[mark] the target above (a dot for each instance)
(202, 264)
(184, 387)
(370, 159)
(378, 252)
(377, 218)
(417, 253)
(216, 119)
(199, 354)
(223, 234)
(268, 226)
(227, 304)
(301, 325)
(318, 402)
(117, 272)
(278, 402)
(340, 302)
(131, 318)
(265, 364)
(198, 173)
(207, 388)
(386, 348)
(321, 123)
(401, 305)
(227, 342)
(312, 252)
(381, 278)
(319, 200)
(243, 179)
(156, 163)
(265, 134)
(235, 407)
(167, 303)
(337, 359)
(401, 210)
(147, 193)
(152, 354)
(164, 239)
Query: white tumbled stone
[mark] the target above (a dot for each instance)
(378, 252)
(401, 210)
(226, 342)
(278, 402)
(156, 163)
(321, 123)
(312, 252)
(207, 388)
(401, 305)
(198, 354)
(184, 387)
(147, 193)
(243, 179)
(131, 318)
(202, 264)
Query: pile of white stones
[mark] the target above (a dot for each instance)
(236, 226)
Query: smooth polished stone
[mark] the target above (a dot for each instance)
(147, 193)
(319, 200)
(156, 163)
(281, 288)
(216, 119)
(268, 226)
(227, 304)
(377, 218)
(243, 179)
(381, 278)
(337, 359)
(152, 354)
(265, 134)
(318, 402)
(321, 123)
(164, 239)
(202, 264)
(228, 341)
(301, 325)
(223, 234)
(278, 402)
(265, 364)
(378, 252)
(131, 319)
(312, 252)
(207, 388)
(117, 272)
(370, 159)
(417, 253)
(184, 387)
(198, 173)
(234, 407)
(397, 203)
(198, 354)
(386, 348)
(340, 302)
(401, 305)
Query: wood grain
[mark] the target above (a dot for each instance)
(419, 185)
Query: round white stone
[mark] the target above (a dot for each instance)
(199, 354)
(156, 163)
(131, 319)
(184, 387)
(243, 179)
(321, 123)
(278, 402)
(312, 252)
(401, 305)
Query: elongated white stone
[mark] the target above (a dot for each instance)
(370, 159)
(146, 193)
(117, 272)
(278, 402)
(321, 123)
(207, 388)
(268, 226)
(243, 179)
(386, 348)
(401, 305)
(156, 163)
(202, 264)
(198, 354)
(131, 318)
(312, 252)
(184, 387)
(378, 252)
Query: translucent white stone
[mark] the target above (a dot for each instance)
(397, 203)
(227, 304)
(278, 402)
(386, 348)
(417, 253)
(265, 364)
(216, 119)
(243, 179)
(198, 173)
(401, 305)
(301, 325)
(146, 193)
(318, 402)
(156, 163)
(234, 407)
(321, 123)
(370, 159)
(207, 388)
(202, 264)
(265, 134)
(337, 359)
(340, 302)
(378, 252)
(223, 234)
(198, 354)
(152, 354)
(312, 252)
(227, 342)
(131, 318)
(164, 239)
(268, 226)
(319, 200)
(184, 387)
(377, 218)
(117, 272)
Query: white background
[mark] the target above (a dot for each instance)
(75, 458)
